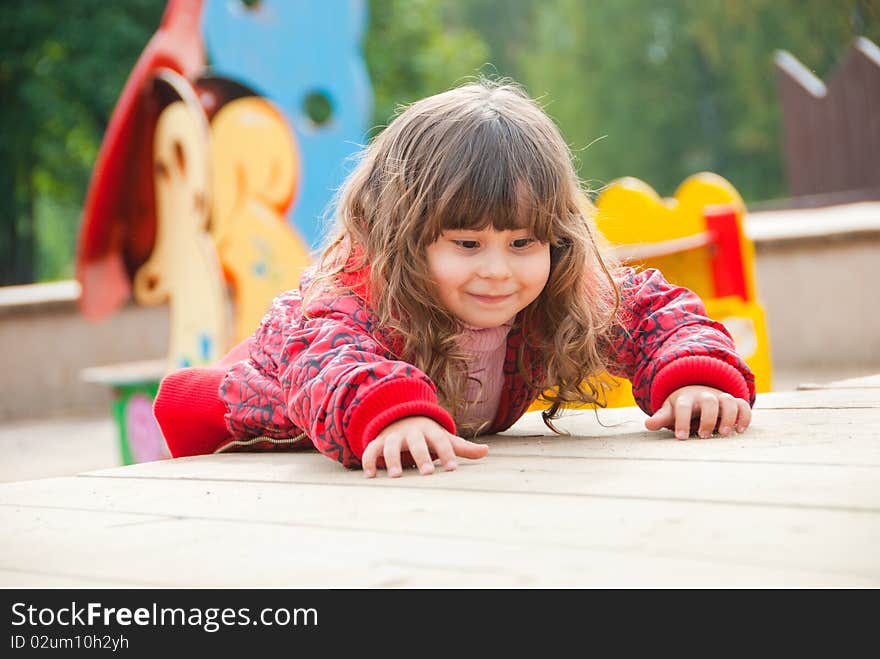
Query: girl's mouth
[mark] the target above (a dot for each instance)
(491, 299)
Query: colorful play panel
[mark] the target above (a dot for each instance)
(134, 387)
(191, 195)
(696, 239)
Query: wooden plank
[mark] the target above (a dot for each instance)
(33, 579)
(844, 487)
(795, 502)
(284, 534)
(793, 436)
(814, 486)
(127, 373)
(797, 436)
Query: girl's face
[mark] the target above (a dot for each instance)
(486, 277)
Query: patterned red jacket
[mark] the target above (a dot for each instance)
(328, 376)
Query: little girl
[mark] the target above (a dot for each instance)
(465, 279)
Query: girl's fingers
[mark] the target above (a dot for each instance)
(442, 446)
(684, 409)
(728, 413)
(744, 418)
(708, 414)
(662, 418)
(420, 445)
(701, 410)
(391, 452)
(368, 460)
(466, 449)
(418, 449)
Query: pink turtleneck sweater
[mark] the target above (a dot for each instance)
(487, 346)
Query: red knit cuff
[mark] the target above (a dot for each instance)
(703, 370)
(386, 403)
(190, 412)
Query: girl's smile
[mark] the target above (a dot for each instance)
(490, 299)
(486, 277)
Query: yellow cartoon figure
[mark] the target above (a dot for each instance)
(183, 268)
(255, 172)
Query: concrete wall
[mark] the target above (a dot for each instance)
(46, 343)
(818, 272)
(822, 299)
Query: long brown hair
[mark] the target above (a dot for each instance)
(478, 155)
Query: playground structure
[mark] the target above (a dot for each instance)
(192, 194)
(697, 240)
(255, 171)
(183, 268)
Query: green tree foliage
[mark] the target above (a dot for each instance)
(664, 89)
(62, 66)
(505, 26)
(414, 49)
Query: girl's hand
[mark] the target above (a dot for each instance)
(713, 407)
(423, 438)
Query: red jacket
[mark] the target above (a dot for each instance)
(329, 377)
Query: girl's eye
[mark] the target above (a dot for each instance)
(522, 243)
(467, 244)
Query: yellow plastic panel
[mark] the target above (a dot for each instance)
(747, 324)
(630, 212)
(183, 268)
(671, 235)
(256, 171)
(707, 189)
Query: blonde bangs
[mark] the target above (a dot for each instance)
(494, 176)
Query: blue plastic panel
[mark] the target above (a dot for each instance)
(285, 50)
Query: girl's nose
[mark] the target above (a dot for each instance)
(494, 265)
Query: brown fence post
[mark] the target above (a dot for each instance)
(831, 132)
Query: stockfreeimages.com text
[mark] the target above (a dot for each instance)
(210, 619)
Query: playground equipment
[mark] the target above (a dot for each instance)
(183, 268)
(255, 172)
(696, 239)
(118, 227)
(190, 197)
(306, 58)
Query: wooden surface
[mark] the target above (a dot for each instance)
(793, 502)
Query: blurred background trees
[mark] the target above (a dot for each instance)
(62, 67)
(647, 88)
